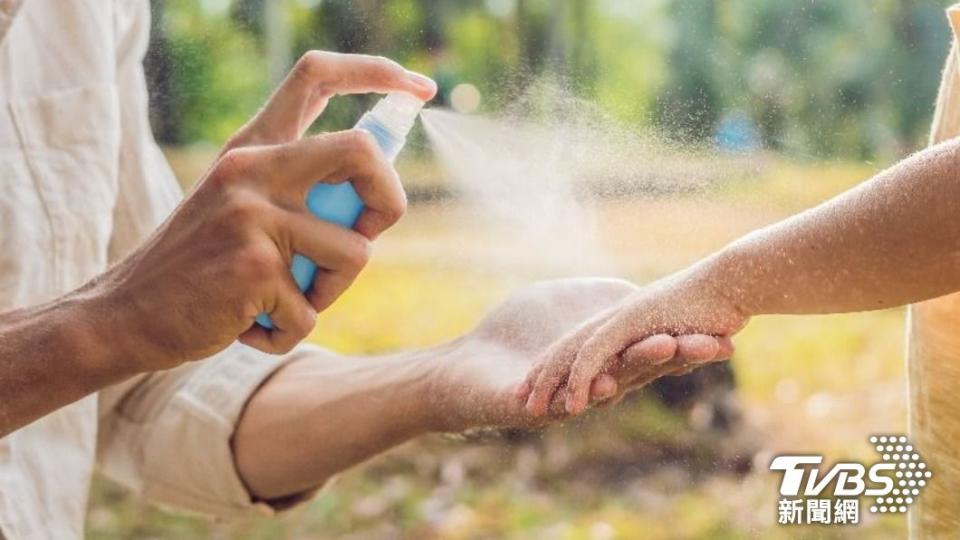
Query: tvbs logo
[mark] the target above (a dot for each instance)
(893, 483)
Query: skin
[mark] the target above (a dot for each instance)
(222, 257)
(325, 413)
(890, 241)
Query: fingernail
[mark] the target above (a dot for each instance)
(422, 81)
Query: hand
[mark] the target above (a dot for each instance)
(681, 304)
(479, 381)
(304, 94)
(224, 255)
(323, 412)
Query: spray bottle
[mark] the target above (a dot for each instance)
(389, 122)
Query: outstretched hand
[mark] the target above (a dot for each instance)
(607, 344)
(483, 381)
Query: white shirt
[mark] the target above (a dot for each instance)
(82, 183)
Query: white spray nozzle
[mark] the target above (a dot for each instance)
(398, 112)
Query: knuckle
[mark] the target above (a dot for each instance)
(237, 140)
(358, 252)
(260, 261)
(312, 65)
(397, 206)
(391, 70)
(244, 206)
(361, 145)
(282, 156)
(235, 162)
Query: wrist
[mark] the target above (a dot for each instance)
(71, 328)
(725, 276)
(102, 327)
(470, 385)
(431, 406)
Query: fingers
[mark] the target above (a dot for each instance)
(337, 73)
(549, 373)
(690, 351)
(603, 387)
(339, 253)
(293, 318)
(697, 348)
(656, 356)
(326, 157)
(642, 362)
(612, 338)
(652, 351)
(726, 348)
(319, 75)
(374, 179)
(548, 378)
(337, 157)
(695, 351)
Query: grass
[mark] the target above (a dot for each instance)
(815, 384)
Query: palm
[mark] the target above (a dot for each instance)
(537, 315)
(492, 360)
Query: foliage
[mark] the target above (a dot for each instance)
(832, 77)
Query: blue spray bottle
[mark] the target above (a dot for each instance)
(389, 122)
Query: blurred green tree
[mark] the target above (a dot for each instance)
(831, 78)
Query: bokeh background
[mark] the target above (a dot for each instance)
(775, 105)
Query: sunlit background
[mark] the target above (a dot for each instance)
(772, 105)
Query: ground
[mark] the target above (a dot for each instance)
(806, 385)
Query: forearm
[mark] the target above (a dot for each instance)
(323, 414)
(52, 355)
(890, 241)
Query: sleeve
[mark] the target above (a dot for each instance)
(167, 435)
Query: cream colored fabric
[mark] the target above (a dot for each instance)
(933, 356)
(82, 183)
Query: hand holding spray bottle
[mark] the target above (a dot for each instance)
(389, 122)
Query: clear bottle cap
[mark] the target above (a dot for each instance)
(398, 112)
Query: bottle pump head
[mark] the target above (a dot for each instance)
(397, 112)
